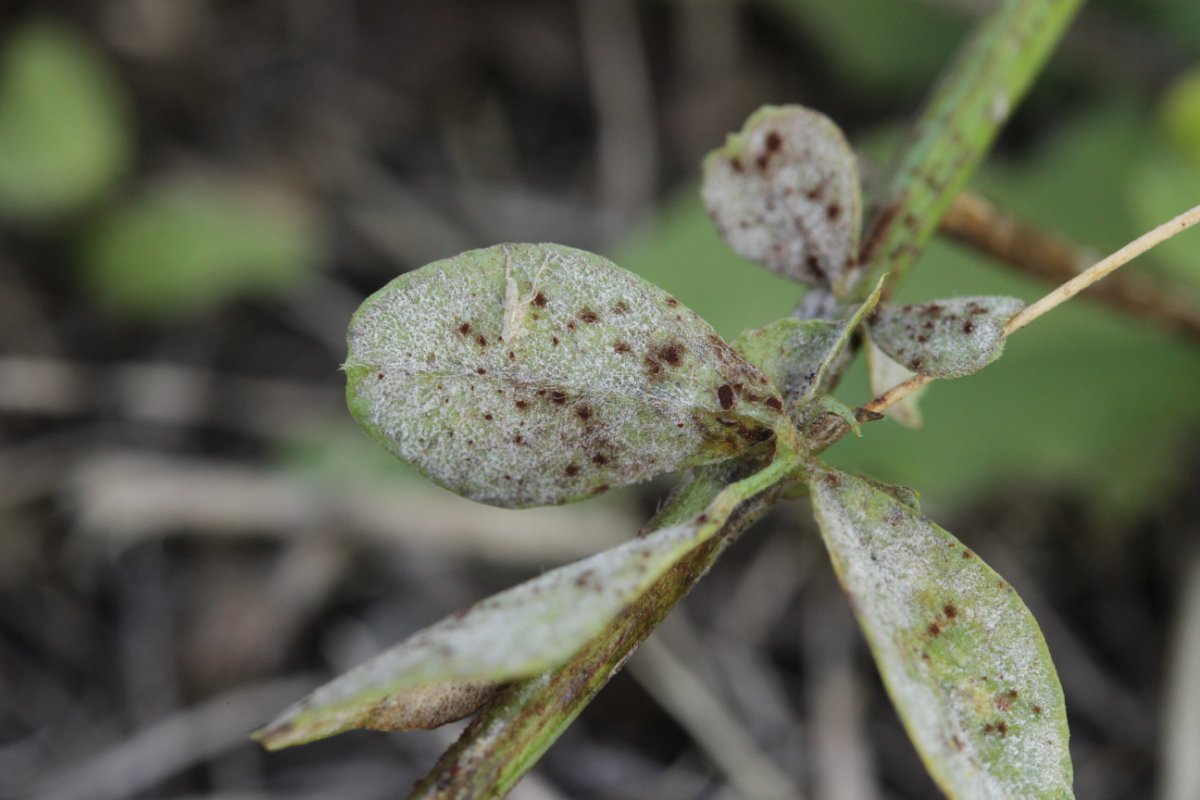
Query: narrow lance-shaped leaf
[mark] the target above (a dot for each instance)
(961, 656)
(784, 193)
(529, 374)
(944, 338)
(446, 671)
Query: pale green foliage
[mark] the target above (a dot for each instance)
(960, 654)
(784, 193)
(186, 245)
(64, 136)
(523, 375)
(799, 356)
(944, 338)
(444, 672)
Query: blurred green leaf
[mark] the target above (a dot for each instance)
(188, 245)
(1180, 116)
(873, 44)
(64, 136)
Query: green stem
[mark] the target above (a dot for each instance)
(957, 126)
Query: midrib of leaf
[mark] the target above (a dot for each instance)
(946, 146)
(957, 126)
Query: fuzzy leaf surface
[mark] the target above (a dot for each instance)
(961, 656)
(535, 374)
(944, 338)
(799, 355)
(784, 193)
(444, 672)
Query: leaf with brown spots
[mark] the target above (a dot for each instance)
(944, 338)
(802, 355)
(530, 349)
(447, 670)
(961, 656)
(784, 193)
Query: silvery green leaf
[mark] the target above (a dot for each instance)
(944, 338)
(784, 193)
(961, 656)
(447, 670)
(799, 355)
(534, 374)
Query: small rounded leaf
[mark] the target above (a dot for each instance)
(944, 338)
(785, 193)
(535, 374)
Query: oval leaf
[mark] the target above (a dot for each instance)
(944, 338)
(445, 671)
(962, 658)
(527, 374)
(784, 192)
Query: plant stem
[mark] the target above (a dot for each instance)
(1063, 293)
(1017, 243)
(1103, 267)
(957, 126)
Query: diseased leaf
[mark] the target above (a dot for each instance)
(784, 193)
(944, 338)
(800, 355)
(962, 658)
(446, 671)
(883, 374)
(534, 374)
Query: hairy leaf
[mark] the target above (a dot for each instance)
(445, 671)
(944, 338)
(799, 355)
(784, 193)
(961, 656)
(534, 374)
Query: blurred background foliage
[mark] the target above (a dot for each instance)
(195, 195)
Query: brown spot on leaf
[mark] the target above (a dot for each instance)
(554, 341)
(1005, 700)
(480, 371)
(522, 405)
(934, 629)
(669, 353)
(584, 412)
(621, 307)
(672, 302)
(968, 554)
(968, 327)
(600, 459)
(833, 211)
(379, 376)
(774, 141)
(488, 417)
(774, 403)
(725, 396)
(621, 347)
(589, 316)
(570, 326)
(539, 300)
(465, 328)
(482, 341)
(558, 397)
(1037, 710)
(950, 611)
(571, 471)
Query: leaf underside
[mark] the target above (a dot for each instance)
(962, 657)
(944, 338)
(536, 374)
(446, 671)
(784, 193)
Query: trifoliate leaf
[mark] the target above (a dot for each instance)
(945, 338)
(523, 374)
(961, 656)
(445, 671)
(784, 192)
